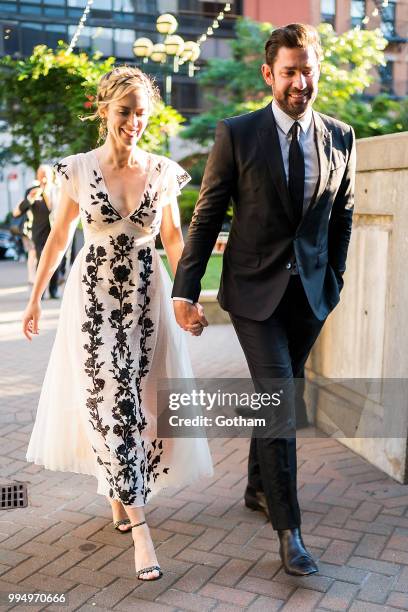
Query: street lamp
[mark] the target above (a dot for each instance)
(173, 46)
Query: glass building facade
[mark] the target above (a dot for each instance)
(112, 27)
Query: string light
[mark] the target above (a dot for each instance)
(214, 26)
(79, 27)
(374, 13)
(200, 40)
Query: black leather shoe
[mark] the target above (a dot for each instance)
(296, 560)
(256, 500)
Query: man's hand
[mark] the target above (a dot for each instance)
(190, 316)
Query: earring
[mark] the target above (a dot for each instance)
(103, 130)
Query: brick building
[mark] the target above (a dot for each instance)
(392, 18)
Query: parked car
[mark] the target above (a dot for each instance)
(8, 246)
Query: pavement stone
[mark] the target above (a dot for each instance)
(216, 554)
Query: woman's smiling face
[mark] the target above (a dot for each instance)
(126, 118)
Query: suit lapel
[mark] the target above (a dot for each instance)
(323, 143)
(269, 141)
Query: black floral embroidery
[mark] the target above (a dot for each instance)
(101, 198)
(95, 258)
(136, 461)
(88, 216)
(145, 209)
(182, 178)
(127, 479)
(130, 462)
(149, 466)
(61, 169)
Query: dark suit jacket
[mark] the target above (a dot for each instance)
(246, 165)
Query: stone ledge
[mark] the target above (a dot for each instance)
(213, 311)
(388, 152)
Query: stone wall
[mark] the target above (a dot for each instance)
(366, 337)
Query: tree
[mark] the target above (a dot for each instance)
(347, 70)
(43, 97)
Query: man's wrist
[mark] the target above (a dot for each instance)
(182, 299)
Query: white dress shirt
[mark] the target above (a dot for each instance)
(307, 143)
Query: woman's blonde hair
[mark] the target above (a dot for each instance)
(118, 83)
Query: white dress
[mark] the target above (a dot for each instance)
(116, 337)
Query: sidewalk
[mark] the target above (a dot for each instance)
(215, 553)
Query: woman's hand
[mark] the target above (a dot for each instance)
(31, 318)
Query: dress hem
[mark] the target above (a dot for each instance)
(82, 472)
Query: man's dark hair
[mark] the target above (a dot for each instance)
(293, 36)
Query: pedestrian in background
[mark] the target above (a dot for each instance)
(40, 201)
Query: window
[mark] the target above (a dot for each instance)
(84, 41)
(31, 35)
(358, 11)
(386, 76)
(30, 9)
(388, 19)
(185, 96)
(124, 40)
(146, 6)
(8, 7)
(328, 11)
(101, 9)
(123, 6)
(102, 40)
(10, 39)
(213, 8)
(54, 11)
(190, 5)
(54, 33)
(77, 8)
(103, 5)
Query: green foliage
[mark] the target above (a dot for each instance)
(43, 97)
(194, 164)
(347, 70)
(187, 200)
(211, 278)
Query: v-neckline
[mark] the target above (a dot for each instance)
(149, 161)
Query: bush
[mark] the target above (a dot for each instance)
(187, 200)
(197, 171)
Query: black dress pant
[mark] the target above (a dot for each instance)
(277, 348)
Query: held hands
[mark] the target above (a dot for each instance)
(190, 317)
(31, 318)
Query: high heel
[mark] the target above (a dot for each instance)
(146, 570)
(117, 524)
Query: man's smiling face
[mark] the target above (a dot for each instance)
(294, 79)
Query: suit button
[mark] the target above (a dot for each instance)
(288, 266)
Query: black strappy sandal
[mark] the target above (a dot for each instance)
(117, 524)
(146, 570)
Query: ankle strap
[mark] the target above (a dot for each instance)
(138, 524)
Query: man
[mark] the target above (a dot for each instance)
(290, 172)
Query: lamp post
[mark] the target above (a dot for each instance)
(173, 47)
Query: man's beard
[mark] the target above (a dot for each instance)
(300, 108)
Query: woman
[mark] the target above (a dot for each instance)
(117, 335)
(40, 202)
